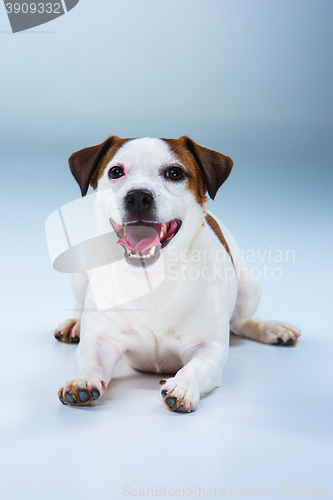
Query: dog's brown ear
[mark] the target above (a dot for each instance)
(215, 167)
(84, 163)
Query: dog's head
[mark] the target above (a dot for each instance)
(160, 186)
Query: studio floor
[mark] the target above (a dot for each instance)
(268, 426)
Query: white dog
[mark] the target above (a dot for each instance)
(179, 277)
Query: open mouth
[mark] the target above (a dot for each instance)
(144, 240)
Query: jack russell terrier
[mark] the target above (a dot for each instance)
(199, 287)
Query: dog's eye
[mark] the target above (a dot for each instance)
(174, 173)
(116, 172)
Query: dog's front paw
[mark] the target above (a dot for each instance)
(283, 334)
(180, 396)
(81, 392)
(68, 332)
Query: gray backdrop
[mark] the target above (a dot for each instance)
(250, 78)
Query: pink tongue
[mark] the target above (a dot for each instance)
(172, 228)
(141, 238)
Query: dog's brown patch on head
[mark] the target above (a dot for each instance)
(88, 164)
(117, 144)
(208, 169)
(195, 180)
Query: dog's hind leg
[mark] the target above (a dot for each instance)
(69, 330)
(245, 323)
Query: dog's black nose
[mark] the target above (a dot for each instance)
(139, 200)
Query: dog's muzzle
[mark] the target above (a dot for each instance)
(145, 240)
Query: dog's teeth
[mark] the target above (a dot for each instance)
(163, 230)
(134, 255)
(130, 253)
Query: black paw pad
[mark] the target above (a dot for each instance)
(69, 398)
(162, 382)
(83, 396)
(171, 402)
(75, 340)
(285, 344)
(58, 336)
(62, 400)
(95, 394)
(163, 392)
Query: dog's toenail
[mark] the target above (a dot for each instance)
(84, 396)
(95, 394)
(162, 382)
(70, 398)
(163, 392)
(171, 402)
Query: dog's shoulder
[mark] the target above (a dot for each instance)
(215, 225)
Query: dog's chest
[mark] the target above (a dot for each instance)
(155, 326)
(155, 349)
(154, 336)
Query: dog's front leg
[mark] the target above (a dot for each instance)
(97, 355)
(200, 375)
